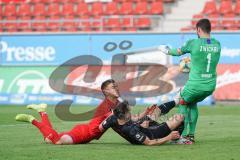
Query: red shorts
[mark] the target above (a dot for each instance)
(84, 133)
(80, 134)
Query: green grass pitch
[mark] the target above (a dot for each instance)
(218, 138)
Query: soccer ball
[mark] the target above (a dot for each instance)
(184, 65)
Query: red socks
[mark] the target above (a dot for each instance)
(46, 129)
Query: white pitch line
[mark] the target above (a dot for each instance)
(12, 125)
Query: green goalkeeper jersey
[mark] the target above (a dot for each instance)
(205, 54)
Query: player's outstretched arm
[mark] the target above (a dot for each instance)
(107, 123)
(147, 111)
(186, 48)
(172, 136)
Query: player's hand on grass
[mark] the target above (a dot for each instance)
(164, 49)
(174, 135)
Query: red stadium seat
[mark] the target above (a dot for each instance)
(143, 23)
(237, 8)
(24, 10)
(10, 25)
(127, 23)
(39, 24)
(228, 20)
(112, 24)
(82, 10)
(126, 8)
(1, 11)
(24, 24)
(111, 8)
(97, 23)
(68, 9)
(39, 1)
(10, 10)
(84, 23)
(54, 23)
(195, 18)
(75, 1)
(156, 8)
(97, 9)
(53, 10)
(69, 24)
(210, 7)
(39, 9)
(225, 7)
(214, 19)
(141, 8)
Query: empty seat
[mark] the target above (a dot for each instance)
(127, 23)
(53, 9)
(97, 23)
(24, 10)
(82, 10)
(10, 10)
(225, 7)
(143, 23)
(237, 8)
(228, 20)
(24, 24)
(156, 8)
(111, 8)
(68, 9)
(141, 8)
(39, 10)
(84, 23)
(11, 24)
(54, 23)
(210, 7)
(196, 18)
(112, 24)
(97, 9)
(126, 8)
(214, 19)
(39, 24)
(38, 1)
(69, 24)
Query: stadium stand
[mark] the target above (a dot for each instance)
(78, 15)
(223, 14)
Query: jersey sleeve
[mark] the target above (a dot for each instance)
(186, 48)
(109, 122)
(137, 135)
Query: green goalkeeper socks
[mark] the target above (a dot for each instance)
(193, 118)
(183, 109)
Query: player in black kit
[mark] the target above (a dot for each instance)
(145, 131)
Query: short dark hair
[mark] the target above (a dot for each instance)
(121, 109)
(205, 25)
(106, 83)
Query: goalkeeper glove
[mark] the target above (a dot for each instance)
(164, 49)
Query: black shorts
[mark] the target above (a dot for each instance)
(156, 130)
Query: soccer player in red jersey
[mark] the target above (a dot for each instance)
(81, 133)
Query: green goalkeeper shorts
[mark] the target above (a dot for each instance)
(190, 95)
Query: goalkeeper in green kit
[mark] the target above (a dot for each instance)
(205, 54)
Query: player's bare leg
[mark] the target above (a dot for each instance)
(177, 123)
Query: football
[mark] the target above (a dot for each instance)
(184, 65)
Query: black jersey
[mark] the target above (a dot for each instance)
(134, 133)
